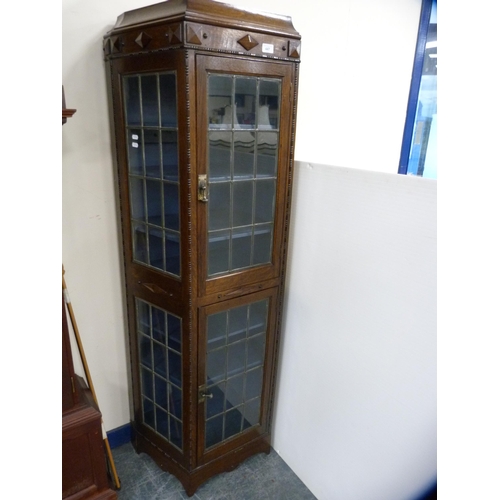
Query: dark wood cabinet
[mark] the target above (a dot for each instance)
(84, 469)
(204, 104)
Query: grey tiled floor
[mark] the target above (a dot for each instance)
(261, 477)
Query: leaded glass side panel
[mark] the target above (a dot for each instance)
(243, 135)
(153, 169)
(160, 366)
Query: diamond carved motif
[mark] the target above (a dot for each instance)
(143, 40)
(247, 42)
(193, 36)
(116, 44)
(294, 49)
(175, 34)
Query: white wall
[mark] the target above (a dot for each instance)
(356, 66)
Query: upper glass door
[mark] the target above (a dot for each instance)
(243, 130)
(241, 173)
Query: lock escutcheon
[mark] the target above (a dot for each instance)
(202, 188)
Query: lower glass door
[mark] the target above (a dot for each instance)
(235, 346)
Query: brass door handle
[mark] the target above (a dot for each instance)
(202, 188)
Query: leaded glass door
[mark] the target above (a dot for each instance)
(153, 169)
(240, 181)
(236, 348)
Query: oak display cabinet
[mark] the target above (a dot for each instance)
(204, 104)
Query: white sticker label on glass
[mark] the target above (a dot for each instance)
(135, 144)
(135, 137)
(268, 48)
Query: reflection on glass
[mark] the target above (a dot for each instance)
(235, 353)
(243, 137)
(245, 98)
(161, 371)
(153, 165)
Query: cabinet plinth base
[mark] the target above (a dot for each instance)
(192, 480)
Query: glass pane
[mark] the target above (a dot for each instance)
(168, 100)
(244, 151)
(175, 432)
(156, 257)
(171, 202)
(170, 155)
(232, 423)
(242, 203)
(172, 253)
(241, 248)
(135, 151)
(213, 431)
(269, 97)
(161, 393)
(216, 330)
(245, 97)
(253, 384)
(174, 332)
(140, 242)
(257, 318)
(219, 155)
(255, 351)
(147, 383)
(215, 404)
(160, 359)
(263, 238)
(154, 202)
(159, 326)
(175, 401)
(218, 252)
(162, 422)
(132, 101)
(267, 145)
(237, 324)
(252, 411)
(149, 92)
(152, 153)
(265, 193)
(220, 91)
(216, 366)
(145, 351)
(234, 391)
(219, 205)
(143, 324)
(149, 412)
(137, 198)
(174, 368)
(236, 358)
(161, 371)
